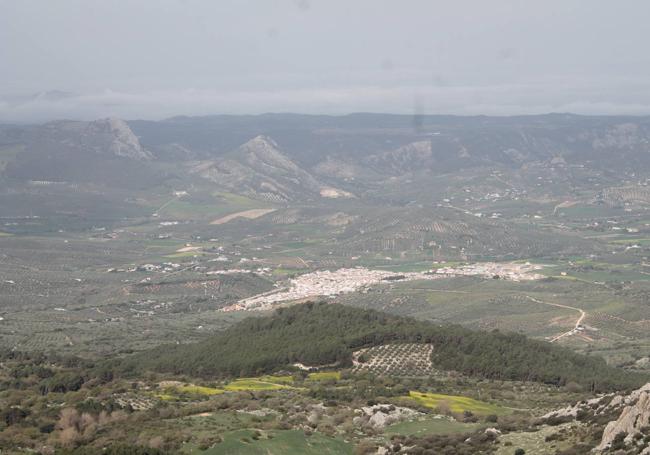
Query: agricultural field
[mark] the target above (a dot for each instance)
(174, 390)
(177, 300)
(246, 214)
(259, 384)
(324, 376)
(457, 404)
(169, 390)
(405, 359)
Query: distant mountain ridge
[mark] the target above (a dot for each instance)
(476, 140)
(290, 157)
(104, 151)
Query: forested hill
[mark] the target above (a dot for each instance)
(320, 333)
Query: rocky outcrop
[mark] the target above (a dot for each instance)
(643, 362)
(621, 136)
(259, 169)
(407, 158)
(113, 135)
(634, 419)
(380, 416)
(597, 405)
(630, 414)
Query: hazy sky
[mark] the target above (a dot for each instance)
(159, 58)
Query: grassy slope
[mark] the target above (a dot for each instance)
(289, 442)
(455, 403)
(426, 427)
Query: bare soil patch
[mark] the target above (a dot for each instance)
(248, 214)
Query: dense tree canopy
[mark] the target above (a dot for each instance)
(320, 333)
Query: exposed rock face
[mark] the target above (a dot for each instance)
(104, 152)
(115, 136)
(334, 193)
(259, 169)
(407, 158)
(633, 412)
(634, 417)
(381, 415)
(338, 169)
(572, 411)
(262, 152)
(492, 431)
(622, 136)
(600, 405)
(643, 362)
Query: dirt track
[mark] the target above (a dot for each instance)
(578, 323)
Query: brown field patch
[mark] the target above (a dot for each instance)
(248, 214)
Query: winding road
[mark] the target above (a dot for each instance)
(583, 315)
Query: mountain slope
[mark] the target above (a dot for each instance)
(318, 334)
(602, 142)
(407, 158)
(103, 151)
(259, 169)
(113, 136)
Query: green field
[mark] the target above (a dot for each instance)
(590, 271)
(276, 379)
(289, 442)
(199, 390)
(456, 403)
(173, 393)
(176, 392)
(239, 201)
(185, 254)
(219, 205)
(431, 426)
(324, 376)
(262, 383)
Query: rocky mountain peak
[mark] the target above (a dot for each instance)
(118, 138)
(262, 151)
(633, 420)
(262, 141)
(260, 145)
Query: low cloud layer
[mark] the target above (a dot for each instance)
(460, 100)
(156, 59)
